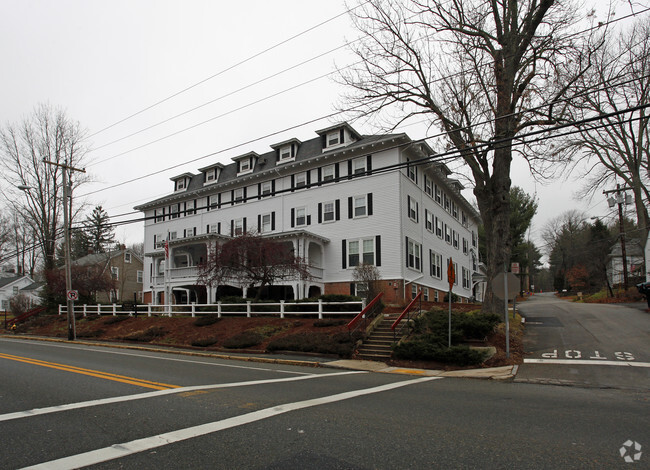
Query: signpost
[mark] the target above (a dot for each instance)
(451, 277)
(506, 286)
(71, 296)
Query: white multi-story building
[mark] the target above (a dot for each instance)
(339, 199)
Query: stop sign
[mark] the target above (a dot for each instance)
(498, 285)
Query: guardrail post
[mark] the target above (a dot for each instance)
(320, 309)
(60, 307)
(99, 309)
(193, 309)
(114, 309)
(248, 308)
(219, 309)
(84, 310)
(148, 309)
(282, 309)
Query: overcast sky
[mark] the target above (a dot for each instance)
(103, 61)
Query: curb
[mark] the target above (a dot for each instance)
(493, 373)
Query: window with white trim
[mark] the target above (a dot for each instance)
(115, 272)
(333, 138)
(414, 291)
(300, 216)
(238, 227)
(266, 223)
(425, 294)
(439, 227)
(285, 153)
(266, 188)
(211, 175)
(465, 246)
(412, 172)
(474, 239)
(438, 196)
(428, 186)
(329, 211)
(174, 211)
(360, 206)
(454, 210)
(448, 234)
(328, 173)
(127, 257)
(300, 179)
(455, 238)
(447, 202)
(359, 165)
(414, 255)
(436, 264)
(466, 281)
(180, 184)
(238, 195)
(428, 220)
(413, 209)
(139, 277)
(245, 165)
(361, 251)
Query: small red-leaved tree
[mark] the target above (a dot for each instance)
(252, 260)
(578, 277)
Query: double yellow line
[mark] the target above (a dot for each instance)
(90, 372)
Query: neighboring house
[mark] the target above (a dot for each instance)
(635, 262)
(337, 200)
(13, 284)
(126, 269)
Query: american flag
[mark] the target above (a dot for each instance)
(166, 249)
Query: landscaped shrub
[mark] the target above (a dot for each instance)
(340, 344)
(147, 335)
(202, 343)
(115, 319)
(422, 350)
(206, 320)
(329, 322)
(245, 339)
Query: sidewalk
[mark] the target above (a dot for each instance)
(494, 373)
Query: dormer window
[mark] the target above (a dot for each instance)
(180, 184)
(245, 165)
(211, 175)
(333, 138)
(285, 153)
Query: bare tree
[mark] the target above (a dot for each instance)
(617, 148)
(252, 260)
(478, 70)
(369, 276)
(47, 134)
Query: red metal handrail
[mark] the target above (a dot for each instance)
(406, 311)
(25, 316)
(364, 311)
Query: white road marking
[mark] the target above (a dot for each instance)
(585, 362)
(140, 396)
(117, 451)
(109, 350)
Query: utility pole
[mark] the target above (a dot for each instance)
(620, 199)
(67, 219)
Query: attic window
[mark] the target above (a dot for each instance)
(285, 153)
(333, 138)
(180, 184)
(210, 175)
(244, 165)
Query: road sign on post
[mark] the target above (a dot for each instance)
(72, 295)
(514, 268)
(451, 277)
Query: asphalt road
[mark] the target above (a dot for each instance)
(69, 406)
(592, 345)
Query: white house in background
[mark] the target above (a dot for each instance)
(14, 284)
(338, 200)
(635, 262)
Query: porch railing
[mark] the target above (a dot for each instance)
(406, 313)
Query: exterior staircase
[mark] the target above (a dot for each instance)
(377, 347)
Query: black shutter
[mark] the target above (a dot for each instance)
(259, 190)
(232, 228)
(336, 172)
(341, 136)
(207, 228)
(320, 213)
(309, 219)
(320, 176)
(430, 262)
(324, 140)
(308, 178)
(259, 223)
(293, 183)
(368, 164)
(219, 201)
(378, 250)
(232, 197)
(337, 208)
(350, 169)
(352, 288)
(350, 207)
(194, 231)
(244, 226)
(244, 193)
(272, 187)
(293, 213)
(369, 203)
(219, 228)
(417, 212)
(272, 220)
(344, 256)
(163, 217)
(408, 206)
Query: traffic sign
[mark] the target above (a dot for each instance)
(72, 294)
(451, 273)
(514, 268)
(498, 285)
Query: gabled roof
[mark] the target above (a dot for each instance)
(5, 281)
(94, 259)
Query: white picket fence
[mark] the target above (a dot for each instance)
(249, 309)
